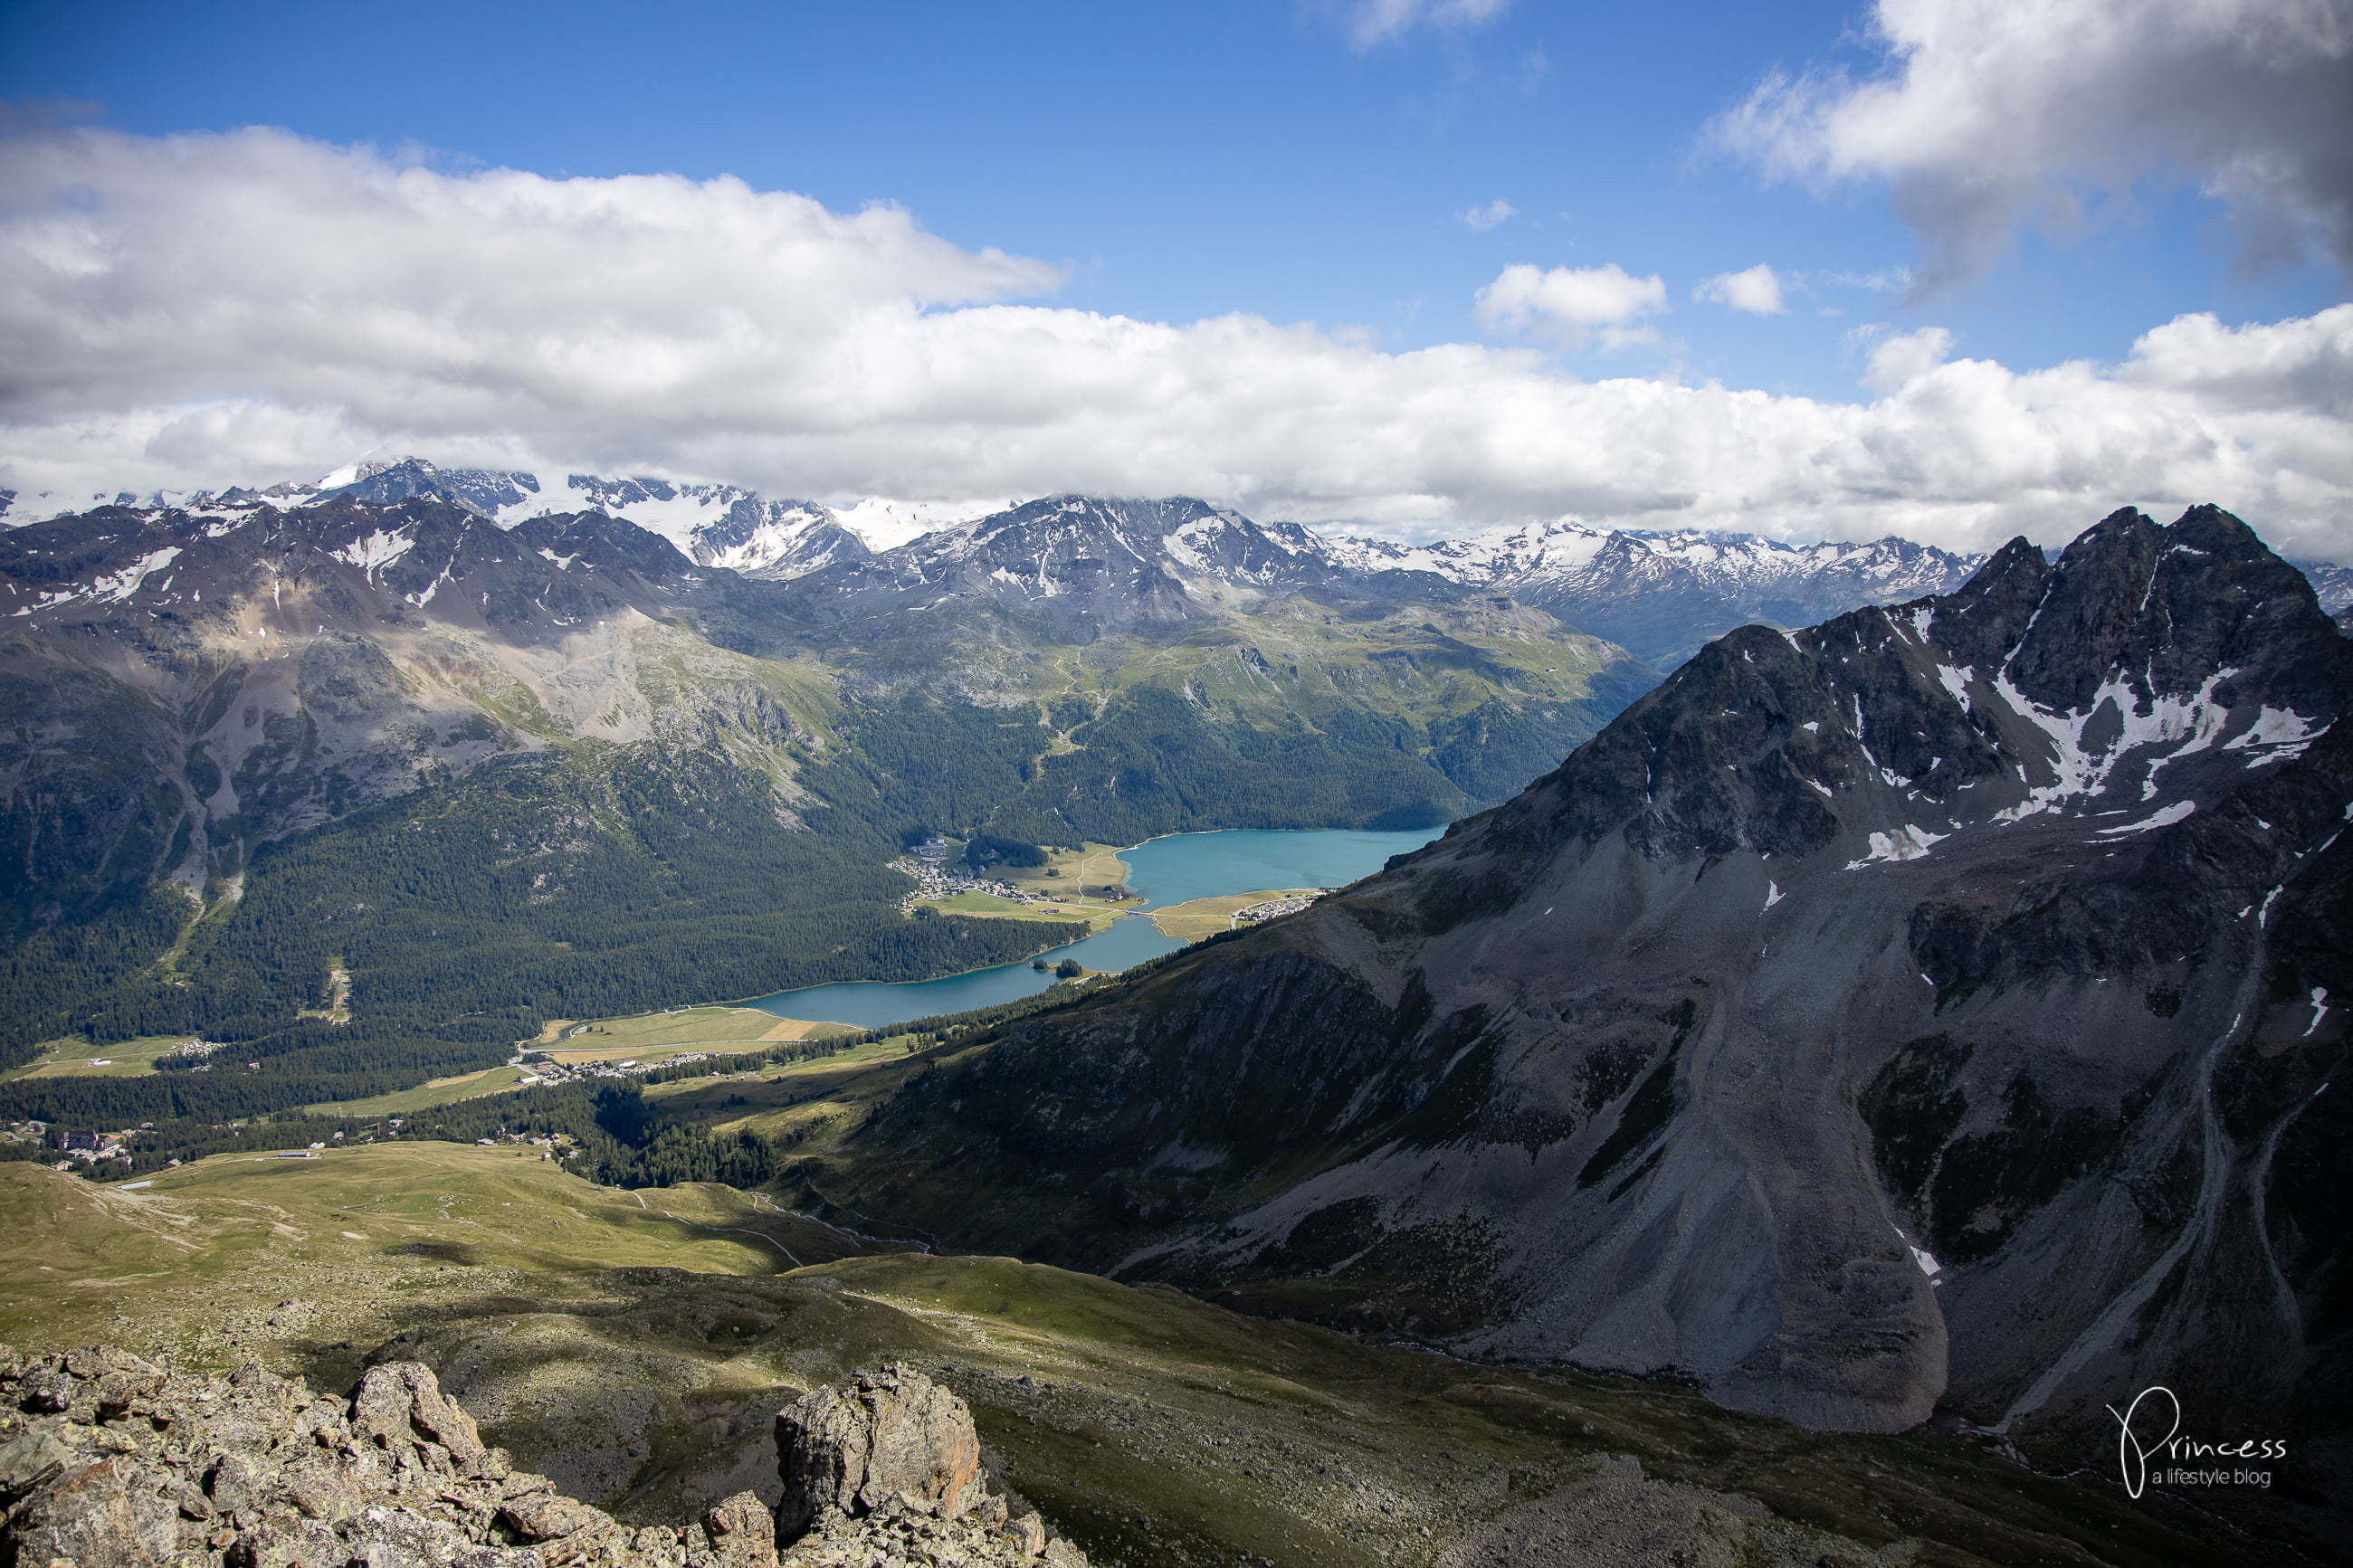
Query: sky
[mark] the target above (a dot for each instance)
(1952, 268)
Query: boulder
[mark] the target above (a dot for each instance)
(401, 1401)
(743, 1534)
(892, 1433)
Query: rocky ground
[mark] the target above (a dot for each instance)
(109, 1461)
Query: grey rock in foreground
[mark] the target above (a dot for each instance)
(892, 1462)
(108, 1460)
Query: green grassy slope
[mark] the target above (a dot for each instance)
(635, 1355)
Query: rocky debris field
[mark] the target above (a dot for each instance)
(109, 1461)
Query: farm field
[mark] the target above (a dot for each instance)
(75, 1056)
(716, 1025)
(1205, 917)
(1088, 865)
(988, 906)
(424, 1096)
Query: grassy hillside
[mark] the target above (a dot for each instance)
(74, 1057)
(631, 1344)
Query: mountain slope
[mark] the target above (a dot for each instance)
(636, 1347)
(1933, 1004)
(1178, 653)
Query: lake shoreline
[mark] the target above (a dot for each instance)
(1192, 866)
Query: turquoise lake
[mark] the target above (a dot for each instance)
(1172, 870)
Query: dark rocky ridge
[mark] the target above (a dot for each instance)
(2004, 928)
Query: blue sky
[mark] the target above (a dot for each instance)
(1186, 161)
(1288, 163)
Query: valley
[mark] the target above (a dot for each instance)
(1713, 1119)
(489, 775)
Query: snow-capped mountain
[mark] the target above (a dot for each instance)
(1659, 595)
(1119, 558)
(1663, 595)
(712, 524)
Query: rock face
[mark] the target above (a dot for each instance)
(890, 1434)
(892, 1462)
(108, 1460)
(1936, 1003)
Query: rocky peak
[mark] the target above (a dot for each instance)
(481, 490)
(778, 539)
(2147, 666)
(1661, 593)
(346, 563)
(1082, 566)
(110, 1460)
(1179, 535)
(1811, 1030)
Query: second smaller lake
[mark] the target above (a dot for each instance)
(1172, 870)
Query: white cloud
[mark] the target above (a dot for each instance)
(1757, 289)
(1482, 218)
(1990, 114)
(239, 309)
(1900, 358)
(1570, 306)
(1371, 22)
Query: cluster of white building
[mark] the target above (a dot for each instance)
(1251, 913)
(539, 1070)
(933, 880)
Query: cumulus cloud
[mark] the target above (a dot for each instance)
(1371, 22)
(1757, 291)
(1572, 306)
(1482, 218)
(1989, 114)
(240, 308)
(1898, 360)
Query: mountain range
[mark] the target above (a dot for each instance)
(1659, 595)
(657, 748)
(1935, 1007)
(494, 773)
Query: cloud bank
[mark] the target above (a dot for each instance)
(242, 307)
(1990, 114)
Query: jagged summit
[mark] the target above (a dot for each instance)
(335, 562)
(1078, 569)
(712, 524)
(1926, 1005)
